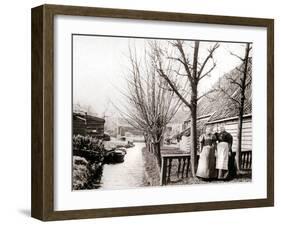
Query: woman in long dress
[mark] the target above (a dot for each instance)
(223, 153)
(207, 162)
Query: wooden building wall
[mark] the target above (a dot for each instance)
(95, 126)
(92, 126)
(79, 126)
(231, 127)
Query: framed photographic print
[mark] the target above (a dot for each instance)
(141, 112)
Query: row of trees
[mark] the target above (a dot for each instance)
(165, 77)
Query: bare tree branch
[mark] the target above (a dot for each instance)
(185, 62)
(233, 81)
(233, 54)
(208, 72)
(210, 55)
(206, 94)
(173, 87)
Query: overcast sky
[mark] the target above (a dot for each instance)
(100, 64)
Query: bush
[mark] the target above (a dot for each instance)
(88, 156)
(87, 143)
(80, 172)
(88, 147)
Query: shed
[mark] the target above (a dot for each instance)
(85, 124)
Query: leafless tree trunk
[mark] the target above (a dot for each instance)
(193, 72)
(243, 86)
(242, 82)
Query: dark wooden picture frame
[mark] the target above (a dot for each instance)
(42, 203)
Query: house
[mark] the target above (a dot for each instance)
(85, 124)
(123, 127)
(173, 128)
(218, 109)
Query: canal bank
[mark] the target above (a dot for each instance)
(151, 170)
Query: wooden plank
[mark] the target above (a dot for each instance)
(179, 166)
(187, 166)
(183, 167)
(246, 148)
(246, 143)
(247, 134)
(170, 161)
(163, 171)
(247, 139)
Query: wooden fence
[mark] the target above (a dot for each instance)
(246, 160)
(182, 160)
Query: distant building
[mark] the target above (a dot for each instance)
(123, 128)
(85, 124)
(172, 130)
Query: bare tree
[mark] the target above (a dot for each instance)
(242, 82)
(150, 104)
(191, 68)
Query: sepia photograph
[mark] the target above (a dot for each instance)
(160, 112)
(150, 112)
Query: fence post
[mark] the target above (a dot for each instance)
(163, 179)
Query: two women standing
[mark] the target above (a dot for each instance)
(215, 153)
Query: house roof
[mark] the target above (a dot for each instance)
(89, 117)
(218, 105)
(94, 118)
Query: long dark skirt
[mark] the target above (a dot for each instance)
(231, 172)
(207, 163)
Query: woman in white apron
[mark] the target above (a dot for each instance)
(223, 153)
(207, 163)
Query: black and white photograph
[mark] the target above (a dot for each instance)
(160, 112)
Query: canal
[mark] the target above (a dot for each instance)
(128, 174)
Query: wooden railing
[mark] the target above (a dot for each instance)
(167, 163)
(246, 160)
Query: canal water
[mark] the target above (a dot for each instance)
(128, 174)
